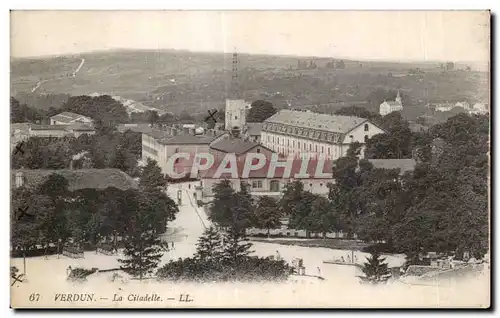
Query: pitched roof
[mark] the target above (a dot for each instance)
(236, 146)
(80, 127)
(48, 127)
(254, 129)
(70, 127)
(402, 164)
(67, 117)
(187, 139)
(312, 166)
(324, 122)
(79, 178)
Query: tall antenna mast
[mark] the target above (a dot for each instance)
(234, 76)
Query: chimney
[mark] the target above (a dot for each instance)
(19, 179)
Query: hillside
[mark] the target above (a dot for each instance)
(193, 81)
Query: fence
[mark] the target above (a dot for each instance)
(73, 252)
(106, 249)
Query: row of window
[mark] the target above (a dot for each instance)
(274, 185)
(305, 132)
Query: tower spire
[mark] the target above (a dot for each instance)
(234, 76)
(398, 97)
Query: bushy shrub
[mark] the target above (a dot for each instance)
(249, 269)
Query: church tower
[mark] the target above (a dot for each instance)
(398, 98)
(235, 105)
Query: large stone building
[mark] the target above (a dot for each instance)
(388, 107)
(68, 118)
(160, 145)
(304, 133)
(59, 131)
(239, 147)
(315, 179)
(236, 113)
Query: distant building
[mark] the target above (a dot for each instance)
(235, 113)
(388, 107)
(305, 133)
(68, 118)
(465, 105)
(59, 131)
(479, 108)
(261, 185)
(160, 145)
(240, 148)
(444, 107)
(253, 131)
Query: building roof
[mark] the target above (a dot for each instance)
(402, 164)
(48, 127)
(254, 129)
(139, 128)
(324, 122)
(80, 127)
(261, 173)
(20, 128)
(79, 178)
(236, 146)
(70, 127)
(68, 117)
(187, 139)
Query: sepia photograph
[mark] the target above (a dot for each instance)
(250, 159)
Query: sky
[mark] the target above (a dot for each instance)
(365, 35)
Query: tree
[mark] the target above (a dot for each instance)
(151, 176)
(395, 144)
(260, 110)
(21, 113)
(142, 244)
(235, 249)
(340, 64)
(142, 252)
(292, 195)
(267, 214)
(153, 117)
(357, 111)
(209, 246)
(106, 112)
(222, 204)
(375, 269)
(186, 118)
(243, 208)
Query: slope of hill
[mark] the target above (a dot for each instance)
(192, 81)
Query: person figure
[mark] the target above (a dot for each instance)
(278, 257)
(342, 259)
(68, 270)
(348, 259)
(319, 271)
(189, 186)
(173, 246)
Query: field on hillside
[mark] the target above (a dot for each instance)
(180, 80)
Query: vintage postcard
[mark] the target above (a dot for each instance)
(250, 159)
